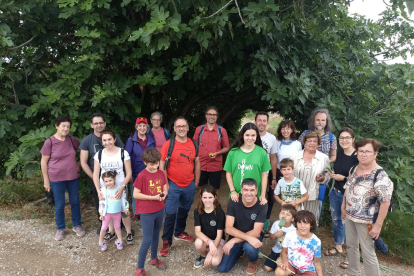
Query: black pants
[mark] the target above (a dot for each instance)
(270, 192)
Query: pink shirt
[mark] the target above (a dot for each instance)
(159, 138)
(62, 162)
(209, 145)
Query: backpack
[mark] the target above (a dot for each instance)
(391, 207)
(331, 136)
(51, 145)
(220, 136)
(167, 135)
(171, 148)
(122, 158)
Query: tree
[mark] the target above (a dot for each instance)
(129, 58)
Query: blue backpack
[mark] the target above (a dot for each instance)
(220, 136)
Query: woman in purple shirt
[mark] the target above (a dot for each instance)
(60, 172)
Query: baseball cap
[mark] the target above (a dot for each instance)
(141, 120)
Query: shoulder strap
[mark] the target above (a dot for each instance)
(170, 150)
(166, 134)
(50, 149)
(196, 149)
(351, 171)
(331, 136)
(99, 160)
(219, 133)
(201, 133)
(123, 162)
(307, 131)
(376, 175)
(391, 207)
(70, 137)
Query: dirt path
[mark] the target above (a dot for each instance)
(28, 248)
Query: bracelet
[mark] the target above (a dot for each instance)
(232, 191)
(208, 240)
(274, 179)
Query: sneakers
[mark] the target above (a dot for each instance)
(251, 268)
(119, 245)
(103, 245)
(109, 237)
(184, 237)
(79, 231)
(124, 230)
(136, 217)
(199, 262)
(60, 235)
(141, 272)
(130, 239)
(158, 264)
(165, 248)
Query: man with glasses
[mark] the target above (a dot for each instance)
(160, 134)
(182, 168)
(90, 145)
(214, 142)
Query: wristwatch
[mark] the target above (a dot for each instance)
(274, 178)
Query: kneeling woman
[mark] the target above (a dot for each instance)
(209, 222)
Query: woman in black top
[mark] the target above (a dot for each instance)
(345, 159)
(209, 223)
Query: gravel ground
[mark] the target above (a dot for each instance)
(28, 248)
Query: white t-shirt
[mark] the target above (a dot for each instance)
(286, 151)
(269, 143)
(275, 227)
(290, 191)
(112, 163)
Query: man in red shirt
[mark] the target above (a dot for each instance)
(213, 142)
(183, 174)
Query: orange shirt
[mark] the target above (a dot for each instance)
(181, 168)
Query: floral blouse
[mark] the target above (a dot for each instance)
(363, 197)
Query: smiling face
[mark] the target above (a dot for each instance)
(249, 193)
(211, 116)
(156, 121)
(108, 141)
(286, 132)
(63, 128)
(346, 140)
(208, 200)
(366, 155)
(250, 137)
(311, 143)
(181, 128)
(303, 227)
(261, 123)
(320, 121)
(98, 124)
(142, 128)
(109, 182)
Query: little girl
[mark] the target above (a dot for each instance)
(209, 222)
(111, 208)
(150, 191)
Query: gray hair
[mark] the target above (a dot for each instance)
(249, 182)
(156, 113)
(148, 127)
(311, 121)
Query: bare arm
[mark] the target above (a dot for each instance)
(222, 151)
(278, 199)
(304, 198)
(376, 228)
(233, 193)
(273, 164)
(262, 197)
(318, 267)
(197, 171)
(332, 156)
(96, 176)
(43, 166)
(84, 155)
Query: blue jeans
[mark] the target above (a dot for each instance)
(236, 252)
(151, 226)
(58, 189)
(177, 206)
(338, 223)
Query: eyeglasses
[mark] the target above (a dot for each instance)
(367, 152)
(210, 114)
(345, 138)
(98, 123)
(155, 120)
(181, 126)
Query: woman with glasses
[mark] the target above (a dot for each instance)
(310, 166)
(158, 133)
(345, 160)
(367, 197)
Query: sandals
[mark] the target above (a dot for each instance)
(266, 234)
(344, 265)
(329, 253)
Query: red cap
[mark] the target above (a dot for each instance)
(141, 120)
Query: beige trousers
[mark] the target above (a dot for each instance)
(313, 207)
(356, 235)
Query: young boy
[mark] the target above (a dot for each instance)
(278, 232)
(292, 190)
(301, 248)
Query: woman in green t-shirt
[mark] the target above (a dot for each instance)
(247, 159)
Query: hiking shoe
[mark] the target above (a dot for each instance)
(141, 272)
(184, 237)
(119, 245)
(130, 239)
(136, 217)
(199, 262)
(251, 268)
(60, 234)
(165, 249)
(158, 264)
(266, 225)
(79, 231)
(103, 245)
(109, 237)
(124, 230)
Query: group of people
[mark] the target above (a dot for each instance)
(261, 169)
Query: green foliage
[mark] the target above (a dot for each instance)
(398, 235)
(129, 58)
(21, 192)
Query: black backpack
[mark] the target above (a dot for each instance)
(122, 158)
(171, 147)
(391, 207)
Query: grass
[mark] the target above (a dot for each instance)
(21, 191)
